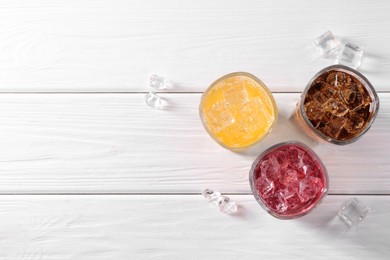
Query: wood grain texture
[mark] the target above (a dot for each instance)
(107, 144)
(183, 227)
(115, 143)
(114, 45)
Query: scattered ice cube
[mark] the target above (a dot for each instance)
(353, 211)
(326, 43)
(158, 82)
(211, 195)
(153, 100)
(224, 203)
(227, 206)
(350, 55)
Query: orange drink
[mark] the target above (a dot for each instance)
(238, 110)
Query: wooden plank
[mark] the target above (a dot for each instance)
(182, 227)
(115, 143)
(115, 45)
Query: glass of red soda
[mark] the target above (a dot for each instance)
(288, 180)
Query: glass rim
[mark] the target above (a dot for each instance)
(262, 85)
(368, 86)
(315, 204)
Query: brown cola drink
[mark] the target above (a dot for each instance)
(338, 105)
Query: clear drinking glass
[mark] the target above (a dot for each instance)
(288, 180)
(238, 110)
(338, 105)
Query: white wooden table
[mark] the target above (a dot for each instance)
(88, 171)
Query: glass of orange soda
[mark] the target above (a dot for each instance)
(238, 110)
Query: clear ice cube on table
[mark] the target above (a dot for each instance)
(326, 43)
(227, 206)
(158, 82)
(153, 100)
(224, 203)
(350, 55)
(353, 211)
(211, 196)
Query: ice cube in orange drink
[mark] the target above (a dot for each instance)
(238, 110)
